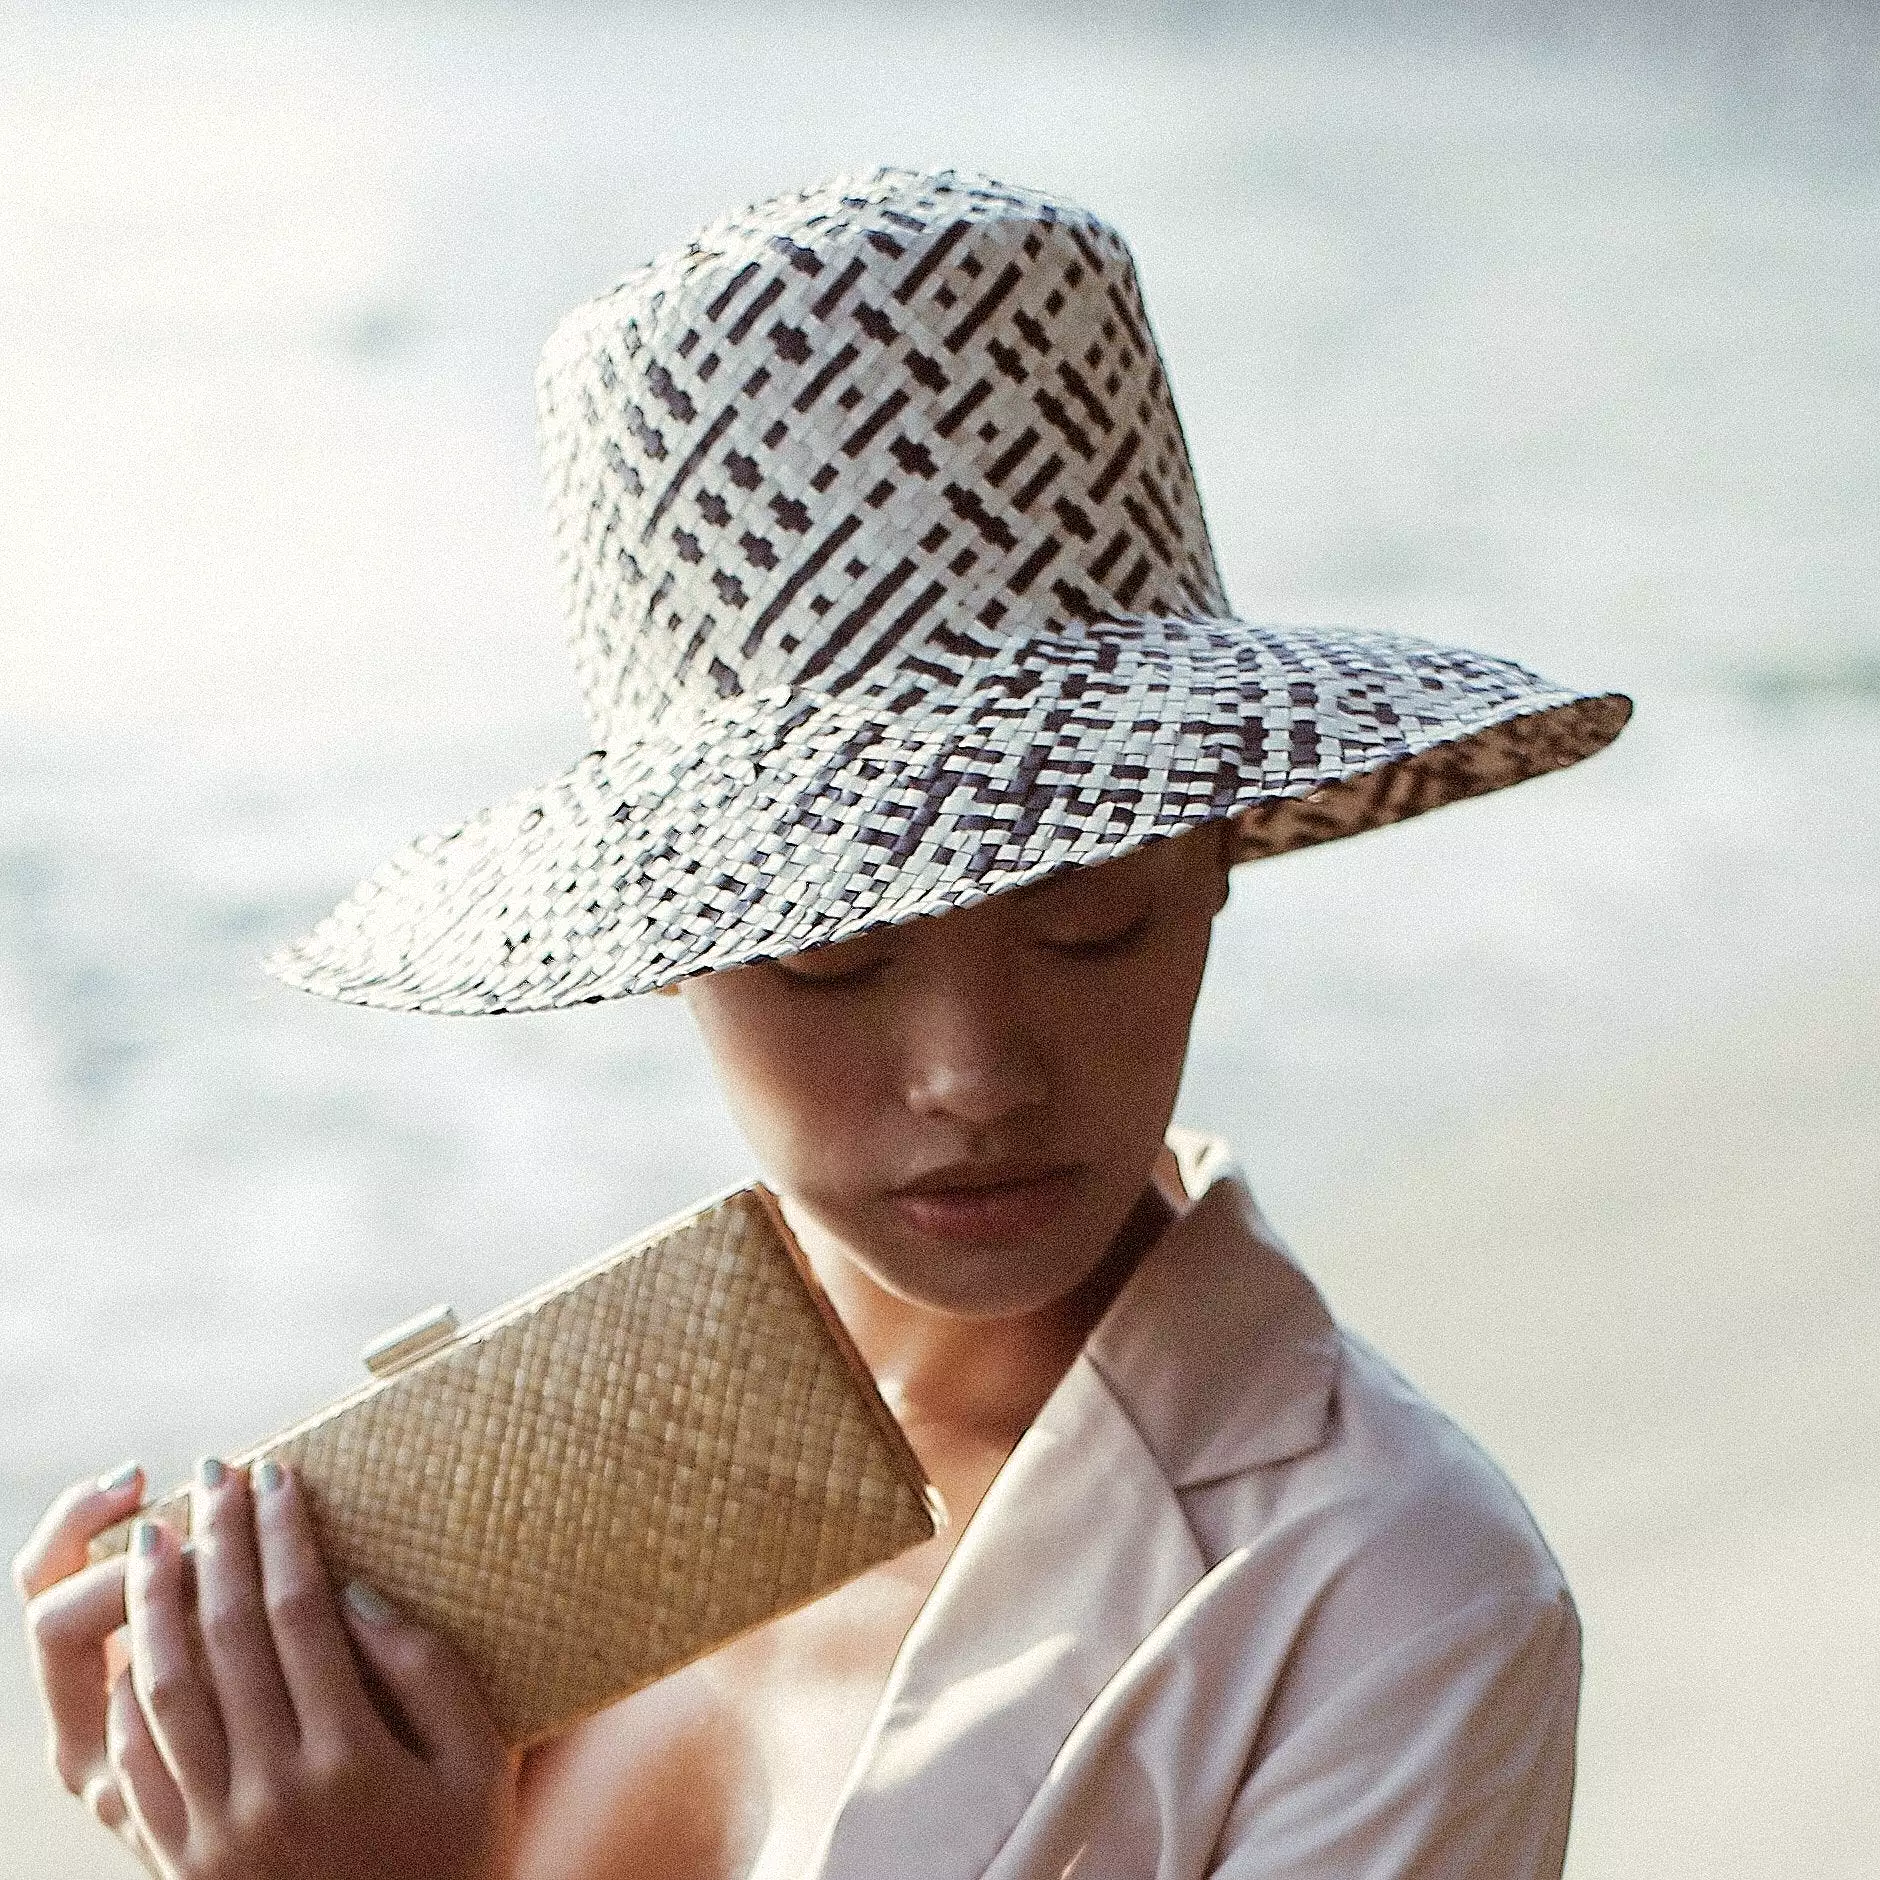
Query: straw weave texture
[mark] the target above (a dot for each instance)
(888, 588)
(620, 1471)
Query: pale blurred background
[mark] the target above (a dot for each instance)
(1551, 329)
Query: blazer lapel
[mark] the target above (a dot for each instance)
(1219, 1347)
(1027, 1624)
(1217, 1356)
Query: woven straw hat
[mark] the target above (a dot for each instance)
(888, 589)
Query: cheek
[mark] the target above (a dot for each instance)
(801, 1085)
(1136, 1035)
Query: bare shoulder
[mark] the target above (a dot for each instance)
(730, 1768)
(673, 1767)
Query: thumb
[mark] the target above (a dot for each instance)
(436, 1696)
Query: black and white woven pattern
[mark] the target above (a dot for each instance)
(888, 588)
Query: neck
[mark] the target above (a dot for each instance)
(950, 1378)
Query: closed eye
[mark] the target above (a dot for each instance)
(828, 979)
(1103, 946)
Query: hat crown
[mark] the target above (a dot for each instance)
(862, 440)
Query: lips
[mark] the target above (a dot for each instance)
(986, 1204)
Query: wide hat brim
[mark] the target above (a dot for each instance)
(787, 819)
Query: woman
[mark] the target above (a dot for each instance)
(924, 743)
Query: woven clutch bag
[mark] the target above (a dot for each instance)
(613, 1474)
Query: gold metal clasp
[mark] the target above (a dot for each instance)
(407, 1343)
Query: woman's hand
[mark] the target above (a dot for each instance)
(72, 1611)
(245, 1746)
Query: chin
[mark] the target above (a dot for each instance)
(1024, 1257)
(984, 1281)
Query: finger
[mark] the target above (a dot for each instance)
(430, 1683)
(177, 1700)
(102, 1795)
(56, 1547)
(67, 1629)
(315, 1655)
(144, 1794)
(238, 1645)
(105, 1799)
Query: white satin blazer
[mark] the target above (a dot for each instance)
(1241, 1603)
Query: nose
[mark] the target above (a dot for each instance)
(969, 1052)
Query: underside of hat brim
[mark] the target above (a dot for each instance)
(629, 872)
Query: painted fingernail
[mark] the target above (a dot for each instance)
(121, 1477)
(104, 1800)
(144, 1539)
(269, 1476)
(369, 1603)
(210, 1471)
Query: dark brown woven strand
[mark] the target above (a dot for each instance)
(1529, 746)
(889, 588)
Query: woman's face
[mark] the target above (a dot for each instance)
(967, 1107)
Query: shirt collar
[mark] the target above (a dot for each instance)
(1217, 1355)
(1031, 1618)
(1258, 1349)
